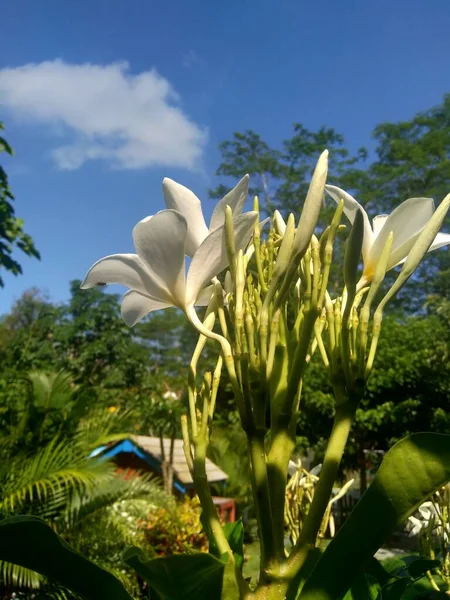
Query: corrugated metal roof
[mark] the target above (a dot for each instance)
(152, 445)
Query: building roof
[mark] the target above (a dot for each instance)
(151, 447)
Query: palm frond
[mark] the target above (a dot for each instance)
(113, 490)
(53, 473)
(102, 427)
(51, 390)
(19, 577)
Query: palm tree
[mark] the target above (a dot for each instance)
(82, 497)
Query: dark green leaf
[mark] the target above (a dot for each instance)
(420, 566)
(31, 543)
(413, 469)
(394, 590)
(394, 566)
(184, 576)
(365, 587)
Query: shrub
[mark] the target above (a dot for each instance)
(175, 531)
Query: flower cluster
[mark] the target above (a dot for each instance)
(156, 274)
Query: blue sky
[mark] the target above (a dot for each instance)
(103, 98)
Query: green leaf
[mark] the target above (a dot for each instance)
(29, 542)
(412, 470)
(234, 532)
(394, 590)
(197, 576)
(420, 566)
(394, 566)
(365, 587)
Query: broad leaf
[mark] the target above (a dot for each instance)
(412, 470)
(29, 542)
(198, 576)
(365, 587)
(417, 567)
(394, 589)
(234, 532)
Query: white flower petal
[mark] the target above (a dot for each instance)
(406, 222)
(211, 258)
(181, 198)
(428, 510)
(136, 306)
(351, 207)
(417, 525)
(442, 239)
(160, 242)
(205, 296)
(235, 199)
(126, 269)
(377, 224)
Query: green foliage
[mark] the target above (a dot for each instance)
(80, 497)
(191, 577)
(12, 235)
(410, 472)
(282, 175)
(227, 449)
(234, 533)
(31, 543)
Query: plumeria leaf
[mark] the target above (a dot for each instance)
(160, 244)
(412, 470)
(235, 199)
(364, 587)
(197, 576)
(181, 199)
(419, 566)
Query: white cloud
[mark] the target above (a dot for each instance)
(191, 59)
(131, 121)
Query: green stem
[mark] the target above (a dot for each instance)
(345, 411)
(210, 516)
(261, 497)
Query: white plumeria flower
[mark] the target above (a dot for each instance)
(406, 223)
(417, 526)
(156, 274)
(428, 510)
(183, 200)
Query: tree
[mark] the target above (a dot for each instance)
(280, 176)
(12, 234)
(412, 160)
